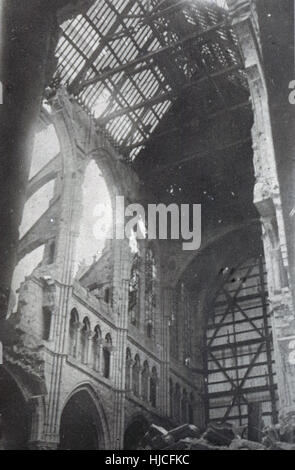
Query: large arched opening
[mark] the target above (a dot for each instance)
(14, 415)
(96, 220)
(134, 433)
(81, 426)
(231, 346)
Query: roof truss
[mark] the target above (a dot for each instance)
(128, 60)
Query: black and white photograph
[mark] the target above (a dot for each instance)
(147, 227)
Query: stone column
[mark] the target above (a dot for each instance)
(68, 230)
(163, 393)
(140, 369)
(131, 364)
(267, 198)
(148, 392)
(158, 383)
(121, 288)
(100, 349)
(29, 35)
(112, 363)
(142, 326)
(76, 343)
(88, 357)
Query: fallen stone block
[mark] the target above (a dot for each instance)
(179, 445)
(159, 442)
(219, 434)
(154, 432)
(186, 430)
(282, 446)
(244, 444)
(202, 444)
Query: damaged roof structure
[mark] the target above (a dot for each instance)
(132, 343)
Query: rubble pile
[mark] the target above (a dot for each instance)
(217, 436)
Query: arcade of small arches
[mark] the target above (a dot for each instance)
(182, 404)
(88, 346)
(141, 380)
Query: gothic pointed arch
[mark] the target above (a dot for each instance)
(15, 414)
(83, 423)
(135, 430)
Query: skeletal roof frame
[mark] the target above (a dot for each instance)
(128, 60)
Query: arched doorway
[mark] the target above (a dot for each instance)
(134, 433)
(80, 427)
(14, 416)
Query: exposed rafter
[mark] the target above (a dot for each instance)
(168, 95)
(173, 130)
(200, 155)
(149, 56)
(101, 46)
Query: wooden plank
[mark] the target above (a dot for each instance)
(75, 83)
(245, 391)
(268, 342)
(148, 57)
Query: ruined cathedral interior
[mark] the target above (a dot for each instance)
(157, 101)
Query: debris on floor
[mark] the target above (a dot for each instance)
(217, 436)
